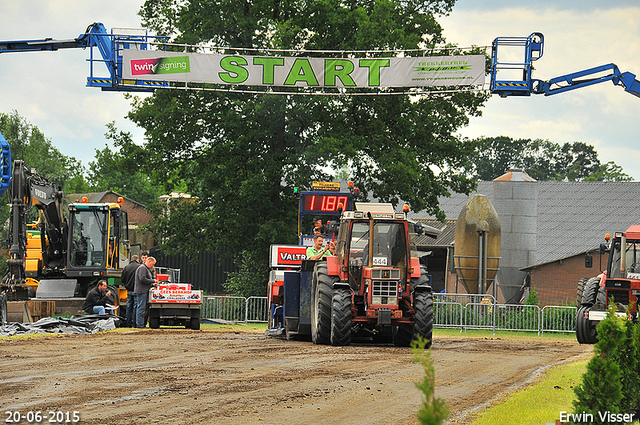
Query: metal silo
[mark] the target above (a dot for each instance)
(515, 199)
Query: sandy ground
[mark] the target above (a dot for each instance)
(209, 377)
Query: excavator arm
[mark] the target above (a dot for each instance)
(28, 189)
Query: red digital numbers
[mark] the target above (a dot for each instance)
(324, 203)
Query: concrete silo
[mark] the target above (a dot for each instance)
(515, 199)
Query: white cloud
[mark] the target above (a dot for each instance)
(602, 115)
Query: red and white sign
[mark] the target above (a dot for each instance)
(180, 293)
(289, 256)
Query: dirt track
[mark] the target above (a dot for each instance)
(206, 377)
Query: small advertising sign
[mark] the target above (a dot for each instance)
(180, 293)
(287, 256)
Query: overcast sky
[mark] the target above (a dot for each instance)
(48, 88)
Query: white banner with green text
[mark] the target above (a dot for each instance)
(287, 71)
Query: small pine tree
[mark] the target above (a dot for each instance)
(627, 357)
(434, 410)
(601, 387)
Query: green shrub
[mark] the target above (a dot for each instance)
(434, 410)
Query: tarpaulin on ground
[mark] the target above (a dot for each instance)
(78, 324)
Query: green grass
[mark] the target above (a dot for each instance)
(478, 333)
(539, 403)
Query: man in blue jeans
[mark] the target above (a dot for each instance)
(143, 283)
(97, 299)
(128, 279)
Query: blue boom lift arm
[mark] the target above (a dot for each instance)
(521, 83)
(110, 46)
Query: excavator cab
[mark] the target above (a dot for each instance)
(98, 245)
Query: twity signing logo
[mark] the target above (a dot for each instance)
(173, 65)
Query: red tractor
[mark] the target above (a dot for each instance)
(373, 287)
(619, 284)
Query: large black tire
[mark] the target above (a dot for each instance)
(592, 293)
(423, 280)
(580, 289)
(3, 309)
(321, 299)
(154, 319)
(195, 323)
(341, 317)
(402, 335)
(423, 324)
(586, 332)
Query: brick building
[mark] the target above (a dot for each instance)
(571, 221)
(136, 212)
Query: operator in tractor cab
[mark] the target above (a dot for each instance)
(317, 252)
(318, 227)
(97, 299)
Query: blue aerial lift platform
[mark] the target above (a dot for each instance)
(109, 45)
(513, 77)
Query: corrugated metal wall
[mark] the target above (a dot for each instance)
(207, 272)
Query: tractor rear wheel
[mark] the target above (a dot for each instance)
(580, 290)
(423, 322)
(592, 293)
(322, 296)
(341, 317)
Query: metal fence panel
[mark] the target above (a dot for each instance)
(556, 318)
(231, 309)
(257, 309)
(448, 314)
(516, 317)
(479, 316)
(449, 311)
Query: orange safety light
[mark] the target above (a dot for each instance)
(607, 237)
(405, 208)
(85, 199)
(349, 183)
(120, 200)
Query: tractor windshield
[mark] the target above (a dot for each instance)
(632, 258)
(389, 244)
(88, 230)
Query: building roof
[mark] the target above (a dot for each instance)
(573, 217)
(97, 197)
(444, 239)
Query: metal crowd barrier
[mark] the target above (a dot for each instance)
(453, 311)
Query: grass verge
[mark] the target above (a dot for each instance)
(539, 403)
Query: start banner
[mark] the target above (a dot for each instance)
(286, 71)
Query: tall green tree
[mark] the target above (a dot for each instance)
(241, 154)
(112, 170)
(30, 145)
(542, 160)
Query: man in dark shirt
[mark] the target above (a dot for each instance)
(97, 299)
(143, 283)
(128, 279)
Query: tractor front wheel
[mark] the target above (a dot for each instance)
(341, 317)
(322, 296)
(423, 322)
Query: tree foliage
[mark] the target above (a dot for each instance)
(30, 145)
(241, 154)
(542, 160)
(610, 383)
(112, 170)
